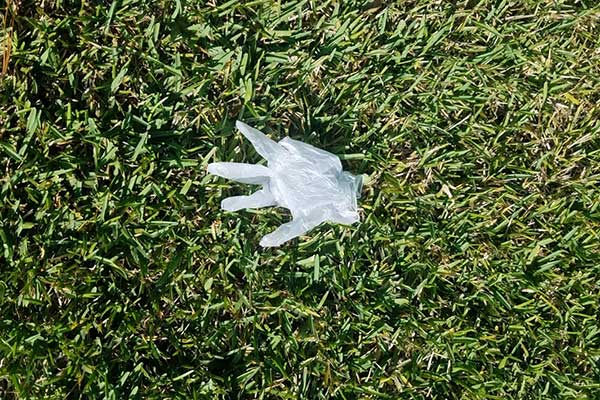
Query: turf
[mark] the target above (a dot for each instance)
(474, 273)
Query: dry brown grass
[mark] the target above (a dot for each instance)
(8, 29)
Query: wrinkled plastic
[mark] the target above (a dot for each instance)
(306, 180)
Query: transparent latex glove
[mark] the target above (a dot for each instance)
(304, 179)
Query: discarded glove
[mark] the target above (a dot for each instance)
(306, 180)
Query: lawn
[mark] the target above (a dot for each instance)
(473, 274)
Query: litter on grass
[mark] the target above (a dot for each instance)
(306, 180)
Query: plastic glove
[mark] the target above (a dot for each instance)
(306, 180)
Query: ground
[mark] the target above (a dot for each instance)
(473, 274)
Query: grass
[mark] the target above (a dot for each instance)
(474, 273)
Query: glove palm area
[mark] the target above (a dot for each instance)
(306, 180)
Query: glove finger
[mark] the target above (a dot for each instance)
(261, 198)
(240, 172)
(267, 148)
(288, 231)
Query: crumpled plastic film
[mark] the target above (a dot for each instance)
(306, 180)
